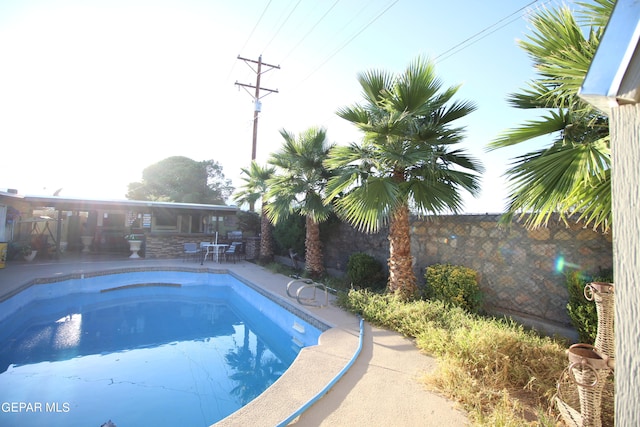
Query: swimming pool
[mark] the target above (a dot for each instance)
(142, 348)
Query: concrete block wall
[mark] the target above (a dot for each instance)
(521, 272)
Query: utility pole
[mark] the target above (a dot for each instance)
(256, 96)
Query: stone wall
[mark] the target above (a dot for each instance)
(521, 272)
(168, 246)
(172, 245)
(252, 247)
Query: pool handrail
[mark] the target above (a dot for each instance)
(308, 283)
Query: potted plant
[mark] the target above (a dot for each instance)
(135, 242)
(86, 242)
(28, 253)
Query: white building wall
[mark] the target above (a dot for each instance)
(625, 144)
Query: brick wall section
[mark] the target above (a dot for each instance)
(252, 247)
(172, 245)
(167, 246)
(518, 268)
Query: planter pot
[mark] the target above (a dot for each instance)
(30, 256)
(134, 247)
(86, 242)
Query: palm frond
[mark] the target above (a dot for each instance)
(416, 87)
(375, 84)
(432, 196)
(554, 122)
(595, 13)
(595, 208)
(367, 206)
(557, 180)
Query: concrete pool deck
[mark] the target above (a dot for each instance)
(382, 387)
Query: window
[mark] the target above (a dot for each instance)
(113, 220)
(165, 219)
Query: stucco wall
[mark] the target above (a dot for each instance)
(625, 148)
(520, 271)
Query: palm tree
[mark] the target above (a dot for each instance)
(299, 187)
(252, 372)
(404, 162)
(254, 189)
(573, 175)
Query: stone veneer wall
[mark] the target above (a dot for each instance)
(521, 272)
(168, 246)
(172, 245)
(252, 247)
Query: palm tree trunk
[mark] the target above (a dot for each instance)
(402, 279)
(266, 242)
(313, 260)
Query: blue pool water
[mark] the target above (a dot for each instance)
(144, 348)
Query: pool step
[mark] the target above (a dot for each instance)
(298, 327)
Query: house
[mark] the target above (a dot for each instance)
(613, 85)
(54, 224)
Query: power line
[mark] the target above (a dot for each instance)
(256, 26)
(311, 29)
(250, 35)
(282, 25)
(345, 44)
(469, 41)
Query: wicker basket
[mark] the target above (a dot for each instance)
(581, 386)
(583, 382)
(602, 294)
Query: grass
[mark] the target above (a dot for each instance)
(501, 373)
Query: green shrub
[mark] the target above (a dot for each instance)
(364, 271)
(454, 285)
(582, 312)
(289, 233)
(249, 223)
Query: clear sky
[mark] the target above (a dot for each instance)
(94, 91)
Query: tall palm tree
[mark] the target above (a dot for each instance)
(404, 162)
(252, 372)
(299, 187)
(572, 176)
(254, 189)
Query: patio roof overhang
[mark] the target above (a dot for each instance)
(83, 204)
(614, 74)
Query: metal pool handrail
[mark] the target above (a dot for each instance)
(308, 283)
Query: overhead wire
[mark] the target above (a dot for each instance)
(346, 43)
(264, 11)
(469, 41)
(281, 26)
(256, 26)
(313, 27)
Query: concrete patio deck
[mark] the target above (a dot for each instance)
(380, 389)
